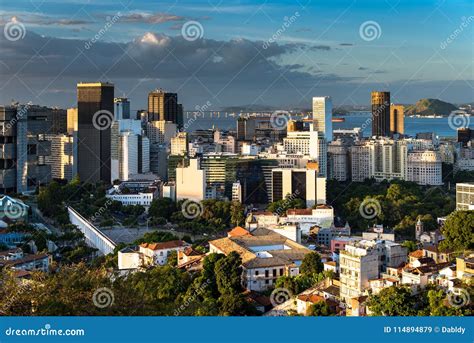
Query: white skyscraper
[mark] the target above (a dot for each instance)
(322, 116)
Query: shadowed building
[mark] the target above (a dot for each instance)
(381, 114)
(95, 103)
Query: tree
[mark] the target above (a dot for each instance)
(319, 309)
(163, 207)
(311, 264)
(393, 301)
(410, 245)
(228, 272)
(458, 231)
(236, 213)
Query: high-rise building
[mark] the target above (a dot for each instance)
(464, 196)
(13, 144)
(191, 182)
(179, 144)
(160, 131)
(121, 109)
(464, 135)
(397, 119)
(424, 167)
(381, 114)
(301, 183)
(338, 161)
(163, 106)
(63, 157)
(128, 160)
(180, 118)
(322, 116)
(95, 106)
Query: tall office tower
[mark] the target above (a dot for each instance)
(13, 144)
(63, 158)
(129, 155)
(121, 109)
(160, 131)
(95, 106)
(361, 162)
(179, 144)
(322, 116)
(163, 106)
(180, 117)
(72, 123)
(144, 154)
(246, 128)
(381, 114)
(397, 119)
(302, 183)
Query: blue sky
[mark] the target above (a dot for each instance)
(320, 51)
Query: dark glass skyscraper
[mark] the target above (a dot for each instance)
(95, 104)
(381, 114)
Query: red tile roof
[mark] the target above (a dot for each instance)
(163, 245)
(417, 253)
(238, 231)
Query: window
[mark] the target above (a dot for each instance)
(274, 272)
(266, 273)
(281, 271)
(256, 273)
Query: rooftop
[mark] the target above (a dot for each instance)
(164, 245)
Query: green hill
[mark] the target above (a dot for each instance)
(426, 107)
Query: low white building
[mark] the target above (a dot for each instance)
(135, 192)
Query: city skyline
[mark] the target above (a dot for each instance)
(275, 54)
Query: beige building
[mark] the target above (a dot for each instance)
(424, 168)
(465, 196)
(397, 119)
(63, 158)
(179, 144)
(191, 181)
(160, 131)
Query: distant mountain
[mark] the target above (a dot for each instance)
(427, 107)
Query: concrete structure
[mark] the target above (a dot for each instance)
(63, 158)
(161, 132)
(121, 109)
(179, 144)
(322, 116)
(163, 106)
(299, 183)
(465, 196)
(93, 236)
(424, 168)
(237, 191)
(191, 182)
(338, 161)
